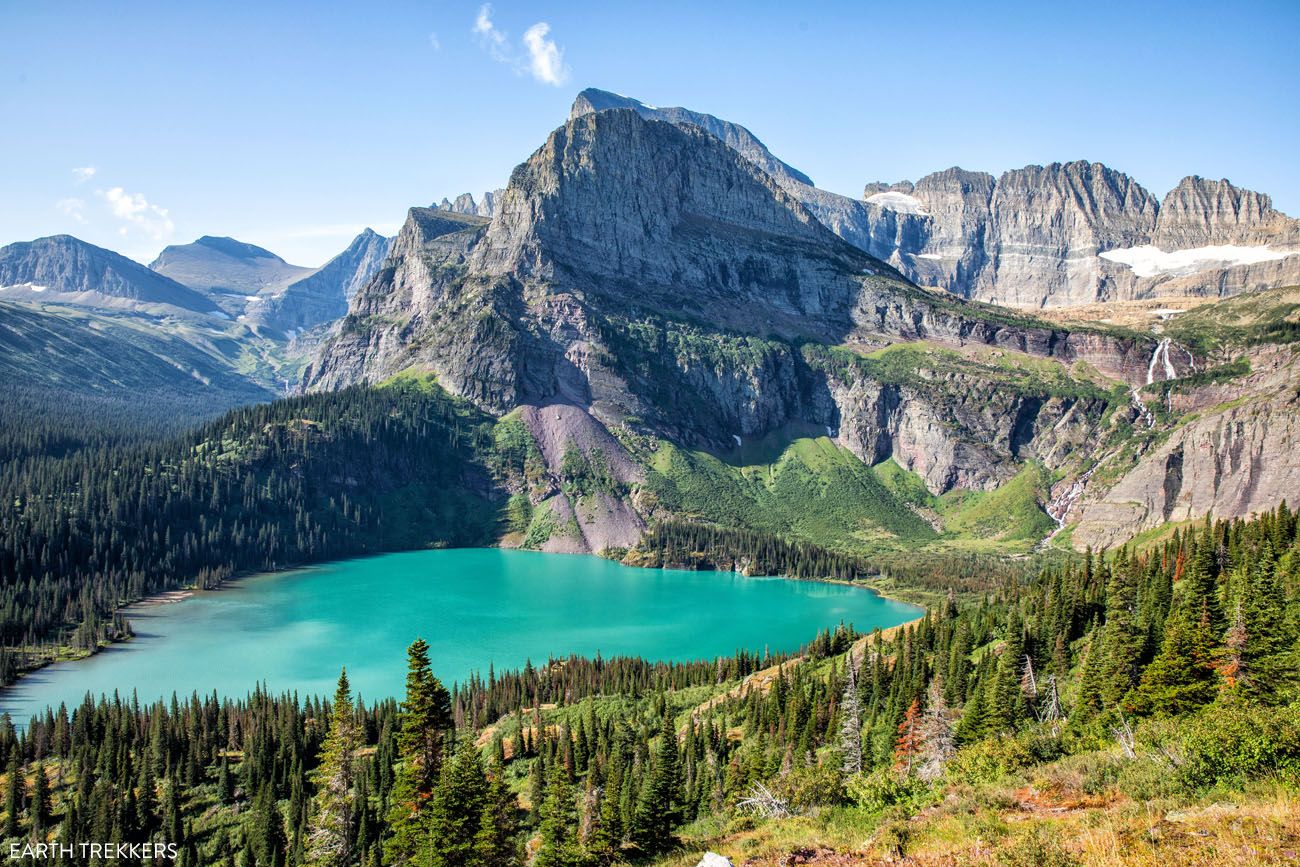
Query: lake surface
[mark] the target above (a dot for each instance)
(295, 630)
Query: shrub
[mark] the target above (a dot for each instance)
(882, 789)
(1235, 741)
(813, 786)
(989, 759)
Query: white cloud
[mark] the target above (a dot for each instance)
(72, 207)
(544, 60)
(84, 173)
(494, 40)
(435, 42)
(134, 210)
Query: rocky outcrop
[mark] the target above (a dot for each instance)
(642, 270)
(1231, 458)
(1037, 236)
(323, 296)
(65, 269)
(731, 134)
(465, 204)
(1202, 213)
(1046, 227)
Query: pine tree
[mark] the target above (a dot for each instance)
(559, 825)
(658, 809)
(225, 784)
(1182, 676)
(13, 795)
(425, 718)
(496, 842)
(851, 712)
(334, 817)
(41, 807)
(264, 834)
(455, 813)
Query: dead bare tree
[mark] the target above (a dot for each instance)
(1049, 710)
(936, 732)
(763, 803)
(1028, 683)
(1124, 736)
(851, 719)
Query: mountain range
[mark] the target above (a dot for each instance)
(676, 323)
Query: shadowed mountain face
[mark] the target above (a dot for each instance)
(323, 296)
(64, 268)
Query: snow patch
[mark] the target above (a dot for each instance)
(1148, 260)
(928, 256)
(895, 201)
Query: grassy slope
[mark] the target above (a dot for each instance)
(812, 489)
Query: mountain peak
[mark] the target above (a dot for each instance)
(66, 265)
(236, 249)
(735, 136)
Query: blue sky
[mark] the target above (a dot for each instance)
(293, 125)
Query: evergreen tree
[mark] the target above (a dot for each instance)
(559, 825)
(334, 817)
(658, 809)
(496, 843)
(13, 795)
(424, 719)
(1182, 677)
(455, 814)
(264, 832)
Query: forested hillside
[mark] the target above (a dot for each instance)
(92, 519)
(1167, 675)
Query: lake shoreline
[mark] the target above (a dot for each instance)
(167, 598)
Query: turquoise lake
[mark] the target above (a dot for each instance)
(295, 630)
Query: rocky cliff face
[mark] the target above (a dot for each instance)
(465, 204)
(1041, 236)
(323, 296)
(1202, 213)
(731, 134)
(642, 274)
(1235, 455)
(63, 268)
(1046, 227)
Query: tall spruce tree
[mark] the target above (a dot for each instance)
(659, 808)
(424, 720)
(455, 813)
(331, 842)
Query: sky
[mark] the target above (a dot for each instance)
(294, 125)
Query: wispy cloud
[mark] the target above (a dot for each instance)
(136, 211)
(541, 57)
(84, 173)
(435, 42)
(72, 207)
(545, 58)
